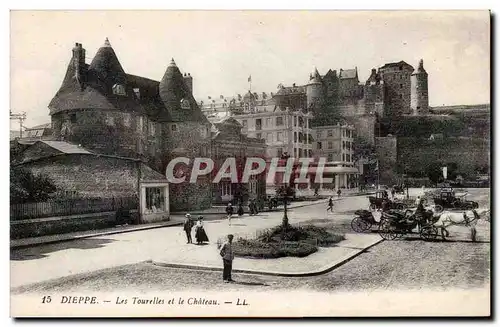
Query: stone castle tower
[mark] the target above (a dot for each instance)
(420, 91)
(314, 91)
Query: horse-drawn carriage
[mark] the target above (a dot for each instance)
(396, 224)
(363, 221)
(447, 199)
(377, 201)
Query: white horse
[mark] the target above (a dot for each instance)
(466, 218)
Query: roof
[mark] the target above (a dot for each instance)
(106, 65)
(42, 126)
(397, 64)
(348, 73)
(289, 90)
(66, 147)
(159, 100)
(316, 77)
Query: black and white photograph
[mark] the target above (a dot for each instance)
(250, 163)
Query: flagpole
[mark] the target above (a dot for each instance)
(378, 176)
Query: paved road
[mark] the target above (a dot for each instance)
(410, 262)
(49, 261)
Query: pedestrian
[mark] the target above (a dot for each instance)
(339, 192)
(330, 205)
(200, 234)
(188, 226)
(227, 254)
(393, 193)
(229, 212)
(240, 209)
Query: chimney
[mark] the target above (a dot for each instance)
(189, 81)
(79, 63)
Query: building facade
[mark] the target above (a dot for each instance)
(336, 144)
(108, 111)
(228, 141)
(284, 131)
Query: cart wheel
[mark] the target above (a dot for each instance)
(438, 208)
(386, 231)
(359, 225)
(428, 233)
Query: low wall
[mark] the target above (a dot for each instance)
(67, 224)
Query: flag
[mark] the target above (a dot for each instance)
(250, 78)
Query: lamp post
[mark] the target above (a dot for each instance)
(285, 157)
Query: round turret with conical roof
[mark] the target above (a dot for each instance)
(314, 90)
(107, 67)
(420, 91)
(172, 87)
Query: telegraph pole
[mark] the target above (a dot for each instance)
(21, 118)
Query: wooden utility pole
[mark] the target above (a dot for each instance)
(21, 118)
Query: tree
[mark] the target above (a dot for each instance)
(435, 172)
(27, 187)
(363, 150)
(241, 193)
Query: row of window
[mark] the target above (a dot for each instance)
(302, 153)
(268, 122)
(270, 137)
(346, 145)
(345, 133)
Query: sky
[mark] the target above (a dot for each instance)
(221, 49)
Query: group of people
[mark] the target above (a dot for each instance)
(226, 249)
(200, 234)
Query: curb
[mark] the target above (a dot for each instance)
(267, 273)
(77, 237)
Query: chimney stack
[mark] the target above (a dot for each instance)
(79, 63)
(189, 81)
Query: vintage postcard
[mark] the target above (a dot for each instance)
(250, 163)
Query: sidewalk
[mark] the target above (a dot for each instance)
(47, 239)
(326, 259)
(175, 219)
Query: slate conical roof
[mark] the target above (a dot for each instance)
(316, 77)
(174, 92)
(106, 65)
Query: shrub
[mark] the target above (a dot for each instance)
(294, 241)
(262, 250)
(300, 233)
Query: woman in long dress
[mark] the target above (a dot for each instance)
(200, 234)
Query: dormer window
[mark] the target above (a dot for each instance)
(137, 92)
(185, 104)
(119, 89)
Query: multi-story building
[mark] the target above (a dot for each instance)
(228, 141)
(397, 81)
(101, 108)
(335, 144)
(284, 130)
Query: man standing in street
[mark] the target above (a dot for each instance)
(229, 212)
(227, 255)
(188, 225)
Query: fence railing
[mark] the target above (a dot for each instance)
(70, 207)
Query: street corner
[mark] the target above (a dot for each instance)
(324, 260)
